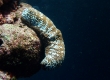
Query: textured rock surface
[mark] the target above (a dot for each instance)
(6, 76)
(7, 10)
(19, 49)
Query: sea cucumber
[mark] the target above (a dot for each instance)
(55, 48)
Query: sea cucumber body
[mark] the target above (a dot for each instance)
(55, 48)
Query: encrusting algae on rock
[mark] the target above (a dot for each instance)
(19, 46)
(19, 50)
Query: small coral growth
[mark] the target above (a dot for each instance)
(7, 9)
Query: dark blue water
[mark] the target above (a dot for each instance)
(85, 25)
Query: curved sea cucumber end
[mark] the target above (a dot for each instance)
(49, 63)
(53, 58)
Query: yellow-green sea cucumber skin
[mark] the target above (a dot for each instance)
(55, 49)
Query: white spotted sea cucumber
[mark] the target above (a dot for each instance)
(55, 48)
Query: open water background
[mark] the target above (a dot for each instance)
(85, 25)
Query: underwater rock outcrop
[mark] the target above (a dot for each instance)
(19, 50)
(19, 46)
